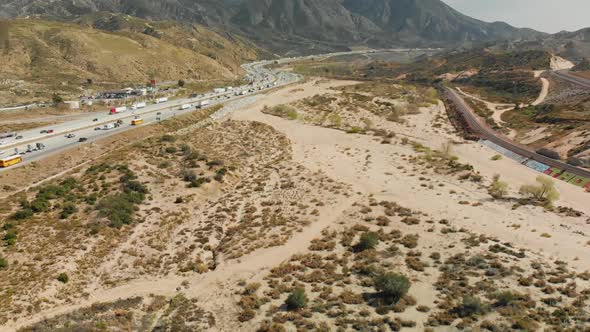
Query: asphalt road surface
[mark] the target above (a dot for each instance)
(487, 133)
(84, 126)
(261, 77)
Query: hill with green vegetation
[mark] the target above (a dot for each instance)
(584, 65)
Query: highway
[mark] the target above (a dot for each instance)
(262, 79)
(487, 133)
(56, 140)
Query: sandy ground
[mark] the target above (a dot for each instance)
(327, 151)
(320, 149)
(559, 63)
(535, 135)
(544, 92)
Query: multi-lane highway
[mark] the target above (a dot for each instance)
(66, 135)
(85, 126)
(487, 133)
(56, 139)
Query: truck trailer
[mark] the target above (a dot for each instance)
(202, 103)
(120, 109)
(139, 105)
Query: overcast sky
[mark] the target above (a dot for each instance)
(543, 15)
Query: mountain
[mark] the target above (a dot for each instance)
(574, 46)
(112, 50)
(301, 26)
(432, 20)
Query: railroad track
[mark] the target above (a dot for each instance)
(566, 76)
(489, 134)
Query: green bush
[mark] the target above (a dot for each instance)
(168, 138)
(119, 208)
(10, 237)
(22, 214)
(368, 240)
(220, 174)
(498, 189)
(297, 299)
(63, 278)
(170, 149)
(391, 285)
(3, 263)
(544, 190)
(68, 209)
(471, 306)
(40, 205)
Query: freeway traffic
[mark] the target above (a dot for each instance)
(40, 142)
(487, 133)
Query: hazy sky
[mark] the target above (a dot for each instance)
(543, 15)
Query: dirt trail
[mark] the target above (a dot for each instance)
(544, 92)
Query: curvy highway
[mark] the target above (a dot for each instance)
(56, 141)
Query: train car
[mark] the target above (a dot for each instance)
(554, 172)
(537, 166)
(579, 181)
(566, 176)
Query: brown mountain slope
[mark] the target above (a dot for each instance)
(58, 57)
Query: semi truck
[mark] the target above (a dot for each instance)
(161, 100)
(7, 135)
(219, 90)
(120, 109)
(139, 105)
(202, 103)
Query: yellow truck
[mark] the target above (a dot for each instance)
(9, 161)
(136, 122)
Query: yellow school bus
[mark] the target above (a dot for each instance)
(9, 161)
(136, 122)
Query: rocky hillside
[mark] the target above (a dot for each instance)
(113, 49)
(285, 26)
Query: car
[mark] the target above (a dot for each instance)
(82, 139)
(44, 131)
(70, 136)
(97, 128)
(49, 131)
(18, 137)
(159, 113)
(95, 120)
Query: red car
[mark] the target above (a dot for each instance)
(49, 131)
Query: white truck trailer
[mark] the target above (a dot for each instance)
(139, 105)
(202, 103)
(120, 109)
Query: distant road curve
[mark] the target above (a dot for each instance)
(487, 133)
(566, 75)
